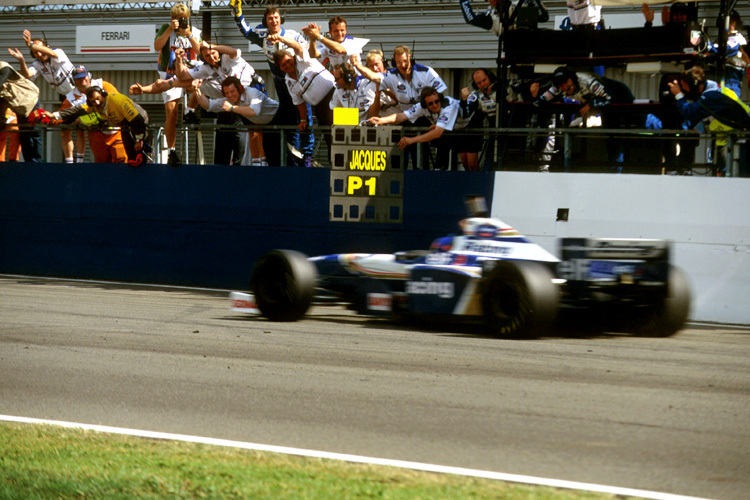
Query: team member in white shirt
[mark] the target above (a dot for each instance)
(355, 91)
(308, 82)
(404, 81)
(444, 115)
(583, 14)
(238, 105)
(388, 103)
(56, 69)
(220, 62)
(407, 79)
(337, 49)
(272, 24)
(52, 64)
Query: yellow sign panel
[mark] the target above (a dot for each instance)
(367, 159)
(355, 185)
(346, 116)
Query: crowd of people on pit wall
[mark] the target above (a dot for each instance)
(314, 72)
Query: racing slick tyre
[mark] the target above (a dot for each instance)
(519, 299)
(283, 282)
(667, 314)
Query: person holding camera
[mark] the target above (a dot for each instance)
(176, 34)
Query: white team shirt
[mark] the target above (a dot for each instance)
(180, 41)
(485, 102)
(313, 82)
(583, 12)
(264, 107)
(75, 98)
(361, 97)
(57, 72)
(448, 118)
(407, 93)
(269, 48)
(212, 77)
(331, 59)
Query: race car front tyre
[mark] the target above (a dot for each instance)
(283, 282)
(519, 299)
(667, 314)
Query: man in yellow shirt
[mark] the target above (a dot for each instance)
(118, 110)
(105, 141)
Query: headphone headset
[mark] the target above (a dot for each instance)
(44, 42)
(95, 88)
(232, 80)
(386, 62)
(265, 23)
(423, 99)
(347, 73)
(490, 75)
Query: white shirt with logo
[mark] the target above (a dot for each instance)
(448, 118)
(212, 77)
(407, 92)
(57, 71)
(313, 82)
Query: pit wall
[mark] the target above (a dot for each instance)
(708, 220)
(201, 225)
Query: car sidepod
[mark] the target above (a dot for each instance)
(443, 290)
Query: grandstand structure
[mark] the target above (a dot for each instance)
(434, 28)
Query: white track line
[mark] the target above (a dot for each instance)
(514, 478)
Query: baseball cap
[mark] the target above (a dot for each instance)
(80, 72)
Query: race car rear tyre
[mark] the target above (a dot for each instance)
(283, 282)
(667, 314)
(519, 299)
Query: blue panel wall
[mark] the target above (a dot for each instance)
(198, 225)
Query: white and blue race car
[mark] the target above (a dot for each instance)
(489, 272)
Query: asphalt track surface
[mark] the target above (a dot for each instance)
(667, 415)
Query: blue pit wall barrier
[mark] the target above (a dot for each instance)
(200, 225)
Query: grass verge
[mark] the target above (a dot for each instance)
(40, 461)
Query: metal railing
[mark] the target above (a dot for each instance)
(576, 149)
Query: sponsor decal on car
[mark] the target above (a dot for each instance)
(487, 246)
(442, 289)
(379, 302)
(243, 302)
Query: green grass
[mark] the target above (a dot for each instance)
(39, 461)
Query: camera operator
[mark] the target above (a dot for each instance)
(176, 34)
